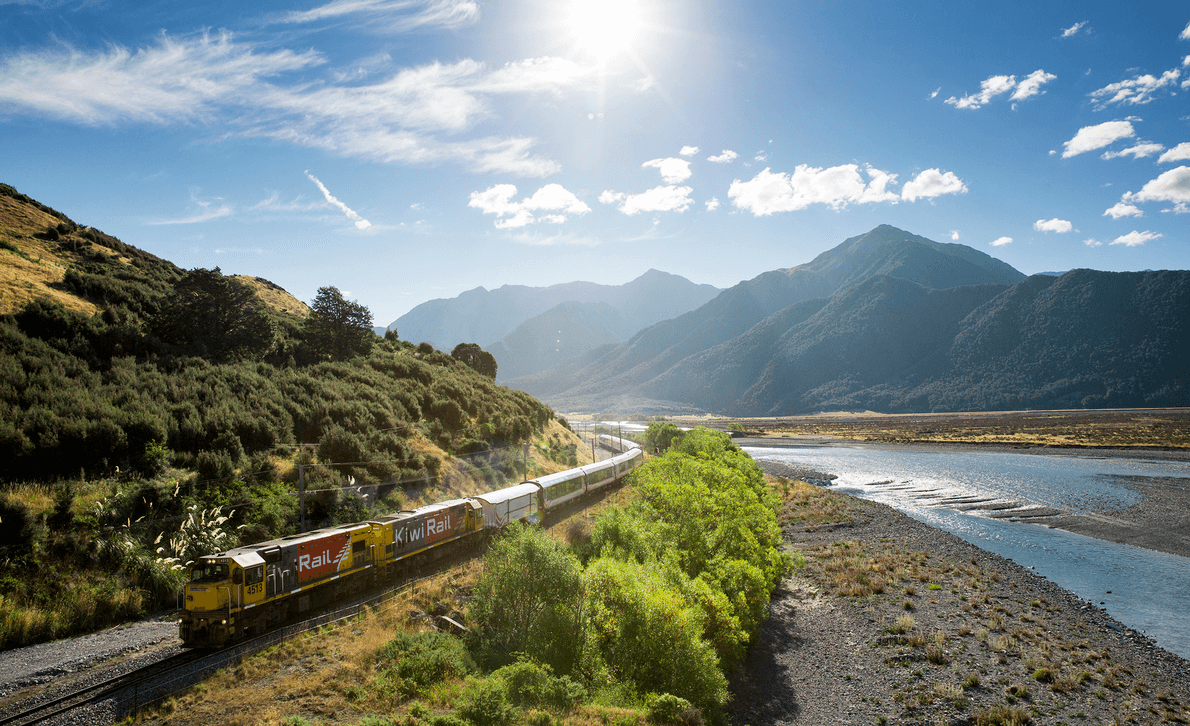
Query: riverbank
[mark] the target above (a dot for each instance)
(892, 621)
(1159, 521)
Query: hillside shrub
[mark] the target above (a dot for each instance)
(412, 662)
(527, 601)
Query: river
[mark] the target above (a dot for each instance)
(1143, 589)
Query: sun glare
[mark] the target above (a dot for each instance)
(604, 27)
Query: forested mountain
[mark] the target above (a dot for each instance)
(486, 316)
(892, 322)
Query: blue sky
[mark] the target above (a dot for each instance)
(405, 150)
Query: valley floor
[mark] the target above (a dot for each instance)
(895, 621)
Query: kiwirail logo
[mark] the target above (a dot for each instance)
(321, 562)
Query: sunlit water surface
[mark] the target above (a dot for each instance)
(1150, 591)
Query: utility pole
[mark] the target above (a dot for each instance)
(302, 496)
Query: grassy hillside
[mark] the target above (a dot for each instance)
(134, 438)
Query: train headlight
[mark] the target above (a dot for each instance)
(223, 622)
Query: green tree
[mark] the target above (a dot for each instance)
(660, 435)
(476, 357)
(215, 317)
(528, 600)
(338, 328)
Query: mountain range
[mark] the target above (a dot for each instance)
(486, 317)
(890, 321)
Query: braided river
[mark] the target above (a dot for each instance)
(1146, 590)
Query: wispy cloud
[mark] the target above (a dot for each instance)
(1090, 138)
(1001, 241)
(394, 16)
(1136, 91)
(552, 198)
(994, 86)
(726, 157)
(249, 92)
(688, 151)
(1074, 29)
(1141, 150)
(206, 215)
(360, 222)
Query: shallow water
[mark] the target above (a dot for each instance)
(1149, 590)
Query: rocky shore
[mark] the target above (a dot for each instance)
(893, 621)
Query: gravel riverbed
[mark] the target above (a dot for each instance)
(958, 635)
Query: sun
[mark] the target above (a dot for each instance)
(604, 27)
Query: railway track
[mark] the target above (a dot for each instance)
(113, 699)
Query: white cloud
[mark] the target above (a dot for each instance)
(204, 216)
(1135, 239)
(1073, 29)
(1092, 242)
(988, 89)
(392, 15)
(1185, 34)
(954, 234)
(712, 204)
(360, 222)
(673, 171)
(1031, 85)
(1141, 150)
(1136, 91)
(688, 151)
(1001, 241)
(1090, 138)
(1053, 225)
(1123, 210)
(553, 198)
(936, 92)
(1181, 152)
(932, 183)
(658, 199)
(725, 158)
(244, 91)
(1171, 186)
(837, 186)
(760, 156)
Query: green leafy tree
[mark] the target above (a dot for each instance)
(476, 357)
(215, 317)
(528, 600)
(338, 328)
(660, 435)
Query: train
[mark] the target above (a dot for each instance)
(246, 591)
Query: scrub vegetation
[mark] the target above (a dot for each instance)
(149, 414)
(635, 614)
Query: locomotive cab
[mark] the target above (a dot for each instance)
(220, 587)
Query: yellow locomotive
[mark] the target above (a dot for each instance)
(246, 591)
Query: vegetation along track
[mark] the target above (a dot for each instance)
(114, 698)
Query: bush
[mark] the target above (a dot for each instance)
(649, 635)
(486, 704)
(534, 684)
(528, 600)
(412, 662)
(668, 710)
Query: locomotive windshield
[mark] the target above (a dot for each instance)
(209, 572)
